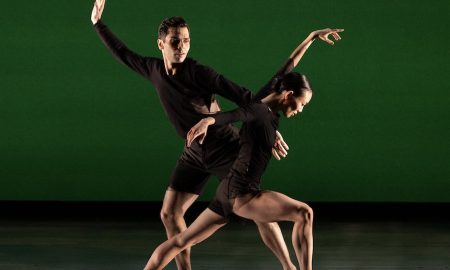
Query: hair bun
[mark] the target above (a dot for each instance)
(276, 83)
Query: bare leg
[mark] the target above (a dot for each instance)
(270, 206)
(204, 226)
(174, 207)
(273, 238)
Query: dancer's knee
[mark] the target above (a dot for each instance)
(169, 217)
(181, 242)
(304, 213)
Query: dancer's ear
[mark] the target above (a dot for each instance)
(160, 44)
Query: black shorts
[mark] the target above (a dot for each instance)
(234, 185)
(214, 157)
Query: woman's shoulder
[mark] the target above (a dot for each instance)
(260, 110)
(260, 106)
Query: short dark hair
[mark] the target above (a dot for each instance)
(293, 81)
(167, 23)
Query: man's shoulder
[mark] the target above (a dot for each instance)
(191, 61)
(154, 63)
(155, 60)
(196, 64)
(199, 70)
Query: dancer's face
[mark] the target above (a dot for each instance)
(175, 45)
(292, 105)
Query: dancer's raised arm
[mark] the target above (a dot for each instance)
(322, 34)
(295, 57)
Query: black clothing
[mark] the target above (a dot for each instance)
(214, 157)
(194, 86)
(257, 136)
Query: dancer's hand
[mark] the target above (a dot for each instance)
(280, 147)
(324, 33)
(199, 130)
(97, 11)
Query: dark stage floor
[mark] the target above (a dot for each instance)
(125, 243)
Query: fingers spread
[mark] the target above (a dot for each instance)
(202, 138)
(282, 151)
(281, 141)
(194, 136)
(191, 137)
(275, 154)
(284, 145)
(336, 36)
(103, 5)
(278, 134)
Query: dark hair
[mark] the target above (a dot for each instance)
(167, 23)
(293, 81)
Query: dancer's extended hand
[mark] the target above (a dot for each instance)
(97, 11)
(199, 131)
(280, 147)
(324, 33)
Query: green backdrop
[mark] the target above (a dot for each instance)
(75, 125)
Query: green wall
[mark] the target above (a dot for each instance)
(76, 125)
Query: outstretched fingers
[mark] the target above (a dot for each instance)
(327, 40)
(336, 36)
(194, 134)
(325, 33)
(275, 154)
(335, 33)
(281, 140)
(97, 10)
(190, 138)
(102, 6)
(279, 149)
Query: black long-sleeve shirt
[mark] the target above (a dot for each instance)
(257, 136)
(191, 88)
